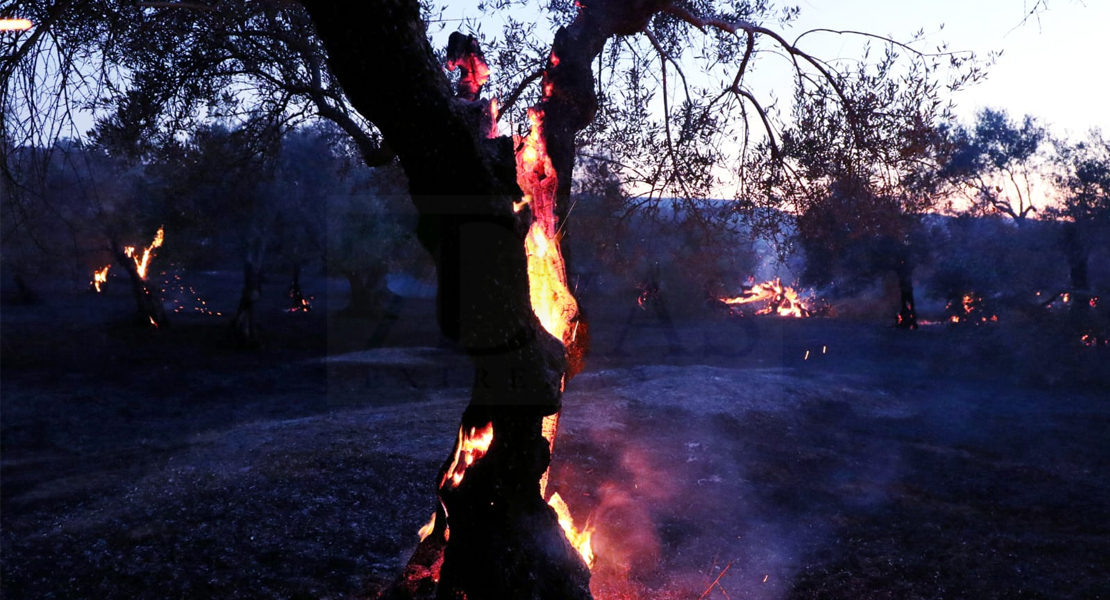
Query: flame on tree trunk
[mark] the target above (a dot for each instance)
(297, 300)
(907, 314)
(1077, 253)
(149, 311)
(493, 535)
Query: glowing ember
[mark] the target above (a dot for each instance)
(470, 447)
(970, 310)
(465, 54)
(100, 277)
(579, 539)
(1094, 340)
(780, 300)
(551, 299)
(142, 262)
(15, 24)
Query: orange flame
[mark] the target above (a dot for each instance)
(141, 263)
(781, 300)
(551, 299)
(100, 277)
(471, 446)
(15, 24)
(427, 529)
(549, 428)
(579, 539)
(475, 73)
(494, 112)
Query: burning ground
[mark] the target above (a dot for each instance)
(163, 465)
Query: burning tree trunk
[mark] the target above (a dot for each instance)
(488, 218)
(298, 301)
(148, 303)
(1078, 257)
(907, 314)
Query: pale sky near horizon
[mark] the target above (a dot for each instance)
(1049, 68)
(1052, 68)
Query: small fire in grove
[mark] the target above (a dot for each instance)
(780, 300)
(304, 306)
(970, 310)
(143, 261)
(100, 277)
(15, 24)
(300, 302)
(1094, 340)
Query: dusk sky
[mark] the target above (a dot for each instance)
(1052, 68)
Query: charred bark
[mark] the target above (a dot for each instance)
(505, 541)
(245, 329)
(149, 311)
(297, 299)
(1077, 253)
(907, 313)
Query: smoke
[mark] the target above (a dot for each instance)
(699, 481)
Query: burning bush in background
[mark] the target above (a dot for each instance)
(982, 267)
(621, 246)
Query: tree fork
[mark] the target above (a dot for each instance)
(148, 304)
(504, 540)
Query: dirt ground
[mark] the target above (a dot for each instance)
(736, 458)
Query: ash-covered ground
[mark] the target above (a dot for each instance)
(719, 461)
